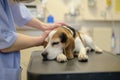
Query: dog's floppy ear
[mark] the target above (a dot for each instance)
(63, 37)
(45, 43)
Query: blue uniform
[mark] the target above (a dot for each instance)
(11, 14)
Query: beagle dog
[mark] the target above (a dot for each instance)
(64, 43)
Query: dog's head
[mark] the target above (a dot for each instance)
(55, 43)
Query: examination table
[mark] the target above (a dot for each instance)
(105, 66)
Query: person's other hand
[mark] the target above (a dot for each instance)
(43, 36)
(52, 26)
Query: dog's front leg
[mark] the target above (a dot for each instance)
(69, 54)
(82, 56)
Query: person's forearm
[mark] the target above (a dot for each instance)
(23, 42)
(35, 23)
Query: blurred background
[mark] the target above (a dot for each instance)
(99, 18)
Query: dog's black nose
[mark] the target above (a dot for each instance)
(44, 54)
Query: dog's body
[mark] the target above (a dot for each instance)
(64, 43)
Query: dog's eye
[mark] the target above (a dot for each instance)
(55, 43)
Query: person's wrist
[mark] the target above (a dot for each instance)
(43, 26)
(42, 37)
(38, 41)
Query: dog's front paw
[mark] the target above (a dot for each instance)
(61, 58)
(82, 57)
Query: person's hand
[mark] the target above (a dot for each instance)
(43, 36)
(52, 26)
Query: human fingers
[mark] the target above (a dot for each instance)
(61, 24)
(57, 24)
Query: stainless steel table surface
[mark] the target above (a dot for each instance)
(105, 66)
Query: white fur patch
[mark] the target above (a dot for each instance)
(53, 51)
(77, 44)
(50, 35)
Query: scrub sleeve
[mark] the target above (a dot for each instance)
(13, 13)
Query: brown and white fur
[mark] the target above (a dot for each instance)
(63, 43)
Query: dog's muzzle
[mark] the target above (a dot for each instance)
(45, 54)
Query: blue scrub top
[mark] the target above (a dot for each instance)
(11, 14)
